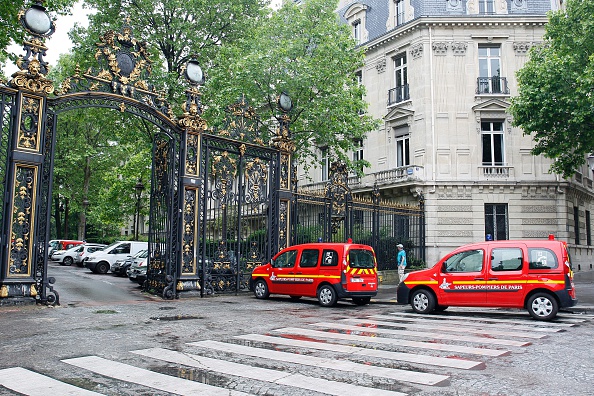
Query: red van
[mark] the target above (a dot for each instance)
(327, 271)
(534, 274)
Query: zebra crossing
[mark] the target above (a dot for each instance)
(381, 354)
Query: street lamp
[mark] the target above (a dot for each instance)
(139, 187)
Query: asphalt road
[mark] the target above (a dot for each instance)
(79, 286)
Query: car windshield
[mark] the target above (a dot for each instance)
(361, 258)
(142, 254)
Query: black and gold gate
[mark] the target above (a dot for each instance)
(212, 195)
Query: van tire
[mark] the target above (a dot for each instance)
(361, 300)
(422, 301)
(542, 306)
(102, 267)
(67, 261)
(261, 289)
(327, 296)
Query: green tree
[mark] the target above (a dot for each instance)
(555, 98)
(305, 51)
(176, 31)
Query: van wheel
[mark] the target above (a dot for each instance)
(361, 300)
(423, 301)
(327, 296)
(261, 289)
(542, 306)
(102, 268)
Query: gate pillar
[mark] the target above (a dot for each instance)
(287, 177)
(24, 232)
(192, 182)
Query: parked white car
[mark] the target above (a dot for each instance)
(76, 253)
(100, 262)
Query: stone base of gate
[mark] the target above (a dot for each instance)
(17, 294)
(188, 285)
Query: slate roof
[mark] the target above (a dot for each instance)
(378, 12)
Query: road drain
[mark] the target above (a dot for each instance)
(176, 317)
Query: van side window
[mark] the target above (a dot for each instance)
(361, 258)
(507, 259)
(124, 248)
(468, 261)
(286, 260)
(309, 258)
(329, 258)
(541, 258)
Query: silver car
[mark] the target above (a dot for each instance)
(86, 251)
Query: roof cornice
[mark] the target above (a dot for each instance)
(461, 21)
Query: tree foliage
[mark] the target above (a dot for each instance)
(304, 51)
(555, 103)
(177, 30)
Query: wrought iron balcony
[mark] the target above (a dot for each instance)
(492, 85)
(398, 94)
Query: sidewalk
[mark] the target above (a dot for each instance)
(583, 280)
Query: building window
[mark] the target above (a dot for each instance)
(496, 224)
(358, 152)
(357, 31)
(576, 224)
(490, 80)
(399, 12)
(402, 150)
(359, 81)
(400, 92)
(325, 164)
(486, 6)
(493, 146)
(588, 229)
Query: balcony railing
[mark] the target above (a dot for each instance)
(398, 94)
(496, 171)
(492, 85)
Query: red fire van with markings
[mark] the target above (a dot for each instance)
(533, 274)
(326, 271)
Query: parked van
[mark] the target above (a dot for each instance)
(534, 274)
(327, 271)
(61, 244)
(100, 262)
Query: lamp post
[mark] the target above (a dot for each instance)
(139, 187)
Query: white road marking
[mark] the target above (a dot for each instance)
(151, 379)
(341, 365)
(263, 374)
(30, 383)
(400, 356)
(395, 342)
(465, 324)
(455, 329)
(424, 334)
(565, 322)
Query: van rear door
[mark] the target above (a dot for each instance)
(361, 270)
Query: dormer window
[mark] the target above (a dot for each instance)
(399, 12)
(355, 16)
(357, 31)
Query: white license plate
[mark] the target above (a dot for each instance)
(356, 280)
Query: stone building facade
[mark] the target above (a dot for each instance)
(440, 75)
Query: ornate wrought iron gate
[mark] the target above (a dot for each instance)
(335, 214)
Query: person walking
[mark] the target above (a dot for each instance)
(401, 262)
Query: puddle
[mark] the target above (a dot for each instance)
(106, 311)
(176, 317)
(166, 308)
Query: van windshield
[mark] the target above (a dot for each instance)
(361, 258)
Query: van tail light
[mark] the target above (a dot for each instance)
(551, 237)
